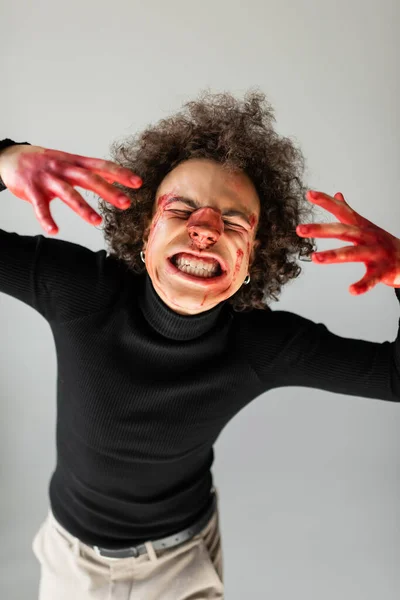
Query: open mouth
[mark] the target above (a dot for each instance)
(204, 267)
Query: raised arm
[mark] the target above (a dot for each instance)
(53, 275)
(38, 175)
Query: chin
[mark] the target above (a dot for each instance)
(188, 294)
(192, 303)
(189, 300)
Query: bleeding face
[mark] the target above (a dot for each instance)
(201, 239)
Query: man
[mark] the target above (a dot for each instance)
(161, 341)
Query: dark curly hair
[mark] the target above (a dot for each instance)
(240, 136)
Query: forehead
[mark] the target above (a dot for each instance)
(207, 181)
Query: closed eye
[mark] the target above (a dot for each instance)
(233, 224)
(181, 212)
(189, 212)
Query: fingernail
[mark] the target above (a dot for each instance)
(95, 219)
(137, 182)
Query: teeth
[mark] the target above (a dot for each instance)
(196, 267)
(193, 271)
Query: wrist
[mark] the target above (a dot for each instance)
(7, 147)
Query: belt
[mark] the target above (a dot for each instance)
(168, 542)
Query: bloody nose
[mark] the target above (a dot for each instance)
(205, 226)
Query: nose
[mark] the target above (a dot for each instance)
(205, 227)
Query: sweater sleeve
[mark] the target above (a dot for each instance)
(59, 279)
(286, 349)
(6, 143)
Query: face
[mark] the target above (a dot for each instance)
(201, 239)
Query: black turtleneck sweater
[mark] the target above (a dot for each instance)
(143, 392)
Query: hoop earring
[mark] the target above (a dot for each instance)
(142, 255)
(246, 280)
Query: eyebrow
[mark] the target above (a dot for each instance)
(193, 204)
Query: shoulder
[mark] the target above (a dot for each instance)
(269, 330)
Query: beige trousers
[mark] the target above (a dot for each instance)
(71, 570)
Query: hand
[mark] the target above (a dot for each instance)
(378, 249)
(38, 175)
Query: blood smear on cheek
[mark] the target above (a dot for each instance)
(162, 201)
(248, 249)
(238, 264)
(253, 220)
(161, 204)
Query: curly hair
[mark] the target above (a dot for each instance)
(240, 136)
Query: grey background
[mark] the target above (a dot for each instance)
(308, 480)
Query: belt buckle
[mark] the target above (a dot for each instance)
(132, 551)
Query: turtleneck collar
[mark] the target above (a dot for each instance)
(171, 324)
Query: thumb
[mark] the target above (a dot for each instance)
(339, 196)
